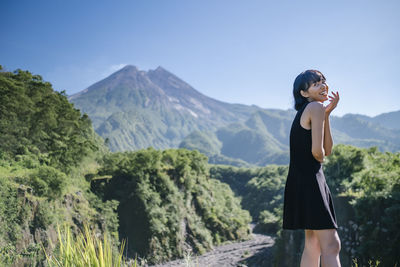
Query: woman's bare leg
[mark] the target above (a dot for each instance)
(312, 250)
(330, 247)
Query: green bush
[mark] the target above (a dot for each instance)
(268, 223)
(48, 181)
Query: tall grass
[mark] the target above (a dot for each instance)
(370, 263)
(189, 259)
(86, 249)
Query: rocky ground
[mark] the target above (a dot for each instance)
(256, 252)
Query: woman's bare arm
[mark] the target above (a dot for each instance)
(328, 142)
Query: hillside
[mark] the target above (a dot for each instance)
(168, 203)
(264, 138)
(45, 148)
(390, 120)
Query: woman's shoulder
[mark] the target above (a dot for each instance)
(315, 108)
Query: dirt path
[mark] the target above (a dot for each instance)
(229, 254)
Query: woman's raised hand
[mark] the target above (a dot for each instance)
(333, 103)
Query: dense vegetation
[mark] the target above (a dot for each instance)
(168, 203)
(261, 190)
(35, 119)
(372, 184)
(45, 146)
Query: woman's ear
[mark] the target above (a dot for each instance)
(304, 93)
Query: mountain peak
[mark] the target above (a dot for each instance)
(129, 68)
(159, 68)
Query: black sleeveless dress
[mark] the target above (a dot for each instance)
(307, 201)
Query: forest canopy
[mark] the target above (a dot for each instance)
(35, 119)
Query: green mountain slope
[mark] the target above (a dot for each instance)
(389, 120)
(136, 109)
(264, 138)
(250, 141)
(356, 131)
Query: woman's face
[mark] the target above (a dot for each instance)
(318, 91)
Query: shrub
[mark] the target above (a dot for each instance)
(48, 181)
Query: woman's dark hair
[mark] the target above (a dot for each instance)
(303, 81)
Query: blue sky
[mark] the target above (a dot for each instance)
(236, 51)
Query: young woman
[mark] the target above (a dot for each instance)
(307, 201)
